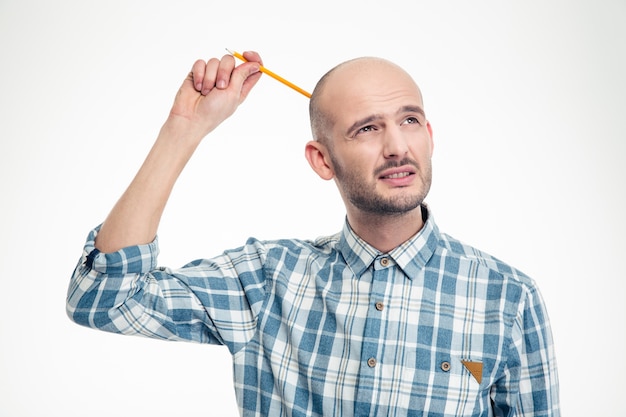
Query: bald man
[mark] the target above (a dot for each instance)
(389, 317)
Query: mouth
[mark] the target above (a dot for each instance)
(397, 172)
(397, 175)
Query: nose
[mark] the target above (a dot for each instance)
(395, 144)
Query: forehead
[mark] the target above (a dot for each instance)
(368, 85)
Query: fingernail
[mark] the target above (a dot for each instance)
(221, 84)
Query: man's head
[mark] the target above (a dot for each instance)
(371, 135)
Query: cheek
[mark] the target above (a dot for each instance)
(360, 160)
(423, 150)
(353, 171)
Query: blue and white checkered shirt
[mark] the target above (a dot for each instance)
(332, 327)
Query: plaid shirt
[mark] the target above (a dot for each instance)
(333, 327)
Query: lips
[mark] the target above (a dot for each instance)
(396, 173)
(401, 177)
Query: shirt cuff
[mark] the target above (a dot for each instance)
(138, 259)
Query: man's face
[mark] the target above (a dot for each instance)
(381, 143)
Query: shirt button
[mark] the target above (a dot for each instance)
(384, 261)
(445, 366)
(380, 306)
(371, 362)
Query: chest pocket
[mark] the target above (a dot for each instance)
(449, 383)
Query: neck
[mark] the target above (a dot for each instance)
(386, 232)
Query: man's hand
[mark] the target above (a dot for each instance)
(212, 91)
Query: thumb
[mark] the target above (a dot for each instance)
(245, 77)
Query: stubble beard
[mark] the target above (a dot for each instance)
(364, 197)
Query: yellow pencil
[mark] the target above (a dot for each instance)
(271, 74)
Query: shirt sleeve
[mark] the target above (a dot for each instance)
(530, 387)
(207, 301)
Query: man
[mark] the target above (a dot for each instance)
(388, 317)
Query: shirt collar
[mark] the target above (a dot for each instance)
(411, 256)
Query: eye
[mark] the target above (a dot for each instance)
(366, 129)
(411, 120)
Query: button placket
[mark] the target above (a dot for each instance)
(373, 348)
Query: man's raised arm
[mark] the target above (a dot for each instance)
(210, 94)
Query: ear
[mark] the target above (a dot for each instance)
(430, 134)
(317, 155)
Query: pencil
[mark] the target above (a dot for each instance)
(272, 74)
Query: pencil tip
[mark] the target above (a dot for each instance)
(229, 51)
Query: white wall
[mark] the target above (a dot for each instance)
(526, 99)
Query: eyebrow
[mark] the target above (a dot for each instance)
(373, 117)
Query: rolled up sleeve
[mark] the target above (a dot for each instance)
(125, 292)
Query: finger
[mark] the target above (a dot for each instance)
(224, 71)
(210, 75)
(250, 82)
(244, 78)
(253, 78)
(252, 56)
(197, 74)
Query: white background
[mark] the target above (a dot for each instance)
(527, 103)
